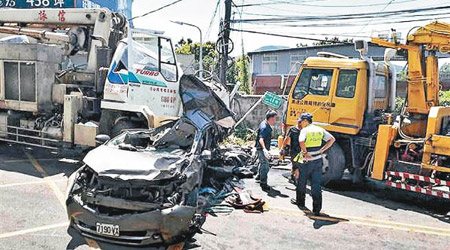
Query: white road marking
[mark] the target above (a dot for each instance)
(29, 183)
(32, 230)
(48, 180)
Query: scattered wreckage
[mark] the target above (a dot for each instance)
(141, 187)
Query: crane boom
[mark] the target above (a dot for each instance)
(423, 82)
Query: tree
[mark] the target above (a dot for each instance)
(334, 40)
(239, 71)
(208, 49)
(244, 74)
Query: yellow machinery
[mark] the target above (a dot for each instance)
(355, 100)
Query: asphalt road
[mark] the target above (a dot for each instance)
(32, 214)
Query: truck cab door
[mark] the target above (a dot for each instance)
(153, 76)
(311, 94)
(349, 101)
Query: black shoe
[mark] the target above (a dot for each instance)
(291, 180)
(317, 213)
(301, 205)
(265, 187)
(257, 177)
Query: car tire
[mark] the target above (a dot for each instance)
(333, 164)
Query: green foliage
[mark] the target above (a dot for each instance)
(402, 75)
(239, 71)
(232, 73)
(399, 101)
(301, 45)
(445, 68)
(326, 41)
(241, 137)
(444, 100)
(244, 74)
(245, 134)
(208, 49)
(333, 40)
(233, 140)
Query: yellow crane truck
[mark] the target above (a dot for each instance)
(355, 100)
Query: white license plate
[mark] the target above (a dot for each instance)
(108, 229)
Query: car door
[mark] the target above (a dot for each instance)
(312, 94)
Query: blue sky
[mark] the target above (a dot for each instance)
(200, 12)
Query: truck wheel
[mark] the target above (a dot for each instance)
(333, 164)
(121, 125)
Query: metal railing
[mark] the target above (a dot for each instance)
(14, 134)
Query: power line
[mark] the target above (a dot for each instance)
(286, 36)
(303, 3)
(355, 24)
(155, 10)
(273, 3)
(212, 19)
(343, 16)
(390, 2)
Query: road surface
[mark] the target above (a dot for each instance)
(32, 214)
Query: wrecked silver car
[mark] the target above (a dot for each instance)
(141, 187)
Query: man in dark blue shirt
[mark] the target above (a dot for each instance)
(294, 147)
(263, 138)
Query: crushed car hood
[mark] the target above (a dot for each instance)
(127, 165)
(198, 97)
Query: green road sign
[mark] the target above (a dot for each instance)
(272, 100)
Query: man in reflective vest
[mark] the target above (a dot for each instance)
(311, 143)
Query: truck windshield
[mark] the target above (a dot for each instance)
(314, 82)
(144, 57)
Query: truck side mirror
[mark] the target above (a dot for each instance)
(101, 138)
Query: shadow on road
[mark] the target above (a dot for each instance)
(322, 219)
(14, 158)
(272, 192)
(395, 199)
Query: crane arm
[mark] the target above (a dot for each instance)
(423, 82)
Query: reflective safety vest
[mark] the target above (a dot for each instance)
(314, 139)
(299, 158)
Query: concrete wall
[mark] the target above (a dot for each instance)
(243, 103)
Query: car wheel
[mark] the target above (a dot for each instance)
(333, 164)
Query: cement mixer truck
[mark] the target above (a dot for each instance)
(67, 75)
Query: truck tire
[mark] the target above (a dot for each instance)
(333, 164)
(120, 125)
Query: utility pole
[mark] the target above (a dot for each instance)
(225, 36)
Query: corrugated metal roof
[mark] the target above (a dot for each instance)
(305, 48)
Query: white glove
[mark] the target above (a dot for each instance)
(266, 153)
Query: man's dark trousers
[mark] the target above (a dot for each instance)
(264, 167)
(311, 170)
